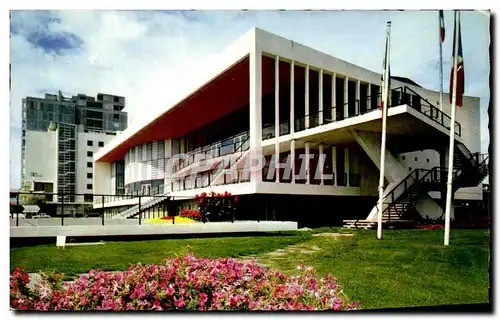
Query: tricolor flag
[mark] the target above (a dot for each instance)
(441, 25)
(460, 68)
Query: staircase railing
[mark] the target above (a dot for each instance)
(405, 95)
(409, 181)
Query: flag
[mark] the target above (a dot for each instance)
(441, 25)
(460, 68)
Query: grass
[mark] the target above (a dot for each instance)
(408, 268)
(119, 255)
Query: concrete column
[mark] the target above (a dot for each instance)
(346, 97)
(277, 115)
(255, 111)
(358, 95)
(321, 164)
(292, 155)
(307, 97)
(334, 165)
(347, 165)
(292, 97)
(320, 107)
(308, 176)
(369, 94)
(334, 102)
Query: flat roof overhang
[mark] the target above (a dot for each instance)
(407, 130)
(227, 92)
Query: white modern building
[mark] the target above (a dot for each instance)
(46, 163)
(305, 112)
(60, 137)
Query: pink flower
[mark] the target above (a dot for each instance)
(213, 284)
(179, 303)
(203, 299)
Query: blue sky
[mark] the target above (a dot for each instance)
(151, 57)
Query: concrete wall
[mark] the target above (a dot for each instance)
(102, 178)
(41, 156)
(82, 159)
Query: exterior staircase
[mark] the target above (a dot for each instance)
(136, 209)
(400, 198)
(469, 172)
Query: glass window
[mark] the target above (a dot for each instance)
(89, 164)
(89, 186)
(101, 144)
(90, 143)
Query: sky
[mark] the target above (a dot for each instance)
(154, 57)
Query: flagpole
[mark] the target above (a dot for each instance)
(385, 93)
(452, 134)
(440, 64)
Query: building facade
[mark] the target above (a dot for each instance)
(59, 138)
(296, 133)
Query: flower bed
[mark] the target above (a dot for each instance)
(429, 226)
(191, 214)
(189, 283)
(168, 219)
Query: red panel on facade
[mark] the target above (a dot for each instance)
(224, 94)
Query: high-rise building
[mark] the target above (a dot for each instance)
(60, 136)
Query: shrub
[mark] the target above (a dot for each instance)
(189, 283)
(217, 206)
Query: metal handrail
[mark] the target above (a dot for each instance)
(207, 149)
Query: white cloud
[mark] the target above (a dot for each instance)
(153, 58)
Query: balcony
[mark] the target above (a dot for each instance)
(399, 96)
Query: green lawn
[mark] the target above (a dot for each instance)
(119, 255)
(407, 268)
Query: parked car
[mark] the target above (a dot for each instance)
(41, 216)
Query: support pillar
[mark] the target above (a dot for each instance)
(308, 163)
(358, 97)
(306, 95)
(334, 165)
(334, 101)
(346, 97)
(321, 163)
(347, 166)
(277, 117)
(292, 98)
(292, 155)
(369, 94)
(320, 107)
(255, 113)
